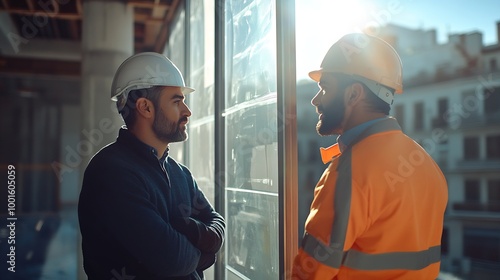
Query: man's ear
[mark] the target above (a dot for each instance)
(356, 93)
(144, 107)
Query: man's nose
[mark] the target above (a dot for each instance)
(316, 99)
(188, 111)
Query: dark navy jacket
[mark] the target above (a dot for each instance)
(141, 220)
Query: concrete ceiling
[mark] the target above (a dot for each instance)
(54, 31)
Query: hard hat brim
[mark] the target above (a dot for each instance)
(316, 75)
(187, 90)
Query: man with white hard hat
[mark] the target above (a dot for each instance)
(141, 214)
(378, 208)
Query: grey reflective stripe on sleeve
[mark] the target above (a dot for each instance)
(332, 255)
(395, 260)
(341, 203)
(362, 261)
(322, 253)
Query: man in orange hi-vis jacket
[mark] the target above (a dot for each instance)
(378, 208)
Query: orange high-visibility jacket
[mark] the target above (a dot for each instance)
(377, 212)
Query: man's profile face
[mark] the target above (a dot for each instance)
(329, 103)
(171, 116)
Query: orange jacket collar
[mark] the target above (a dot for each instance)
(328, 153)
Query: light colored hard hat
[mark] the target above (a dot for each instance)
(367, 59)
(145, 70)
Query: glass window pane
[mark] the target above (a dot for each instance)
(399, 114)
(419, 116)
(200, 145)
(494, 191)
(472, 190)
(482, 244)
(493, 147)
(492, 103)
(471, 148)
(252, 250)
(445, 241)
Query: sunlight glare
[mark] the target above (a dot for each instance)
(320, 23)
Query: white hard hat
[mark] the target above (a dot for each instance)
(145, 70)
(367, 59)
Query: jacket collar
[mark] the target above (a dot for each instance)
(128, 139)
(327, 154)
(387, 124)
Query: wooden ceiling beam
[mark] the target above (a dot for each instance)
(30, 4)
(5, 4)
(36, 66)
(79, 8)
(67, 16)
(161, 40)
(140, 4)
(145, 19)
(171, 11)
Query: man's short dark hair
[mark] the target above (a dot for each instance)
(375, 103)
(129, 113)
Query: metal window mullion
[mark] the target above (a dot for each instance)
(219, 126)
(187, 60)
(287, 135)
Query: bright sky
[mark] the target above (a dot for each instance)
(320, 23)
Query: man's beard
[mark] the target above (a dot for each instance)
(333, 115)
(168, 131)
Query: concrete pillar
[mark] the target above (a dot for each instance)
(107, 40)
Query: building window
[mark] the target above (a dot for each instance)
(440, 120)
(491, 100)
(472, 190)
(442, 106)
(482, 244)
(493, 65)
(419, 116)
(494, 191)
(399, 114)
(471, 148)
(444, 242)
(493, 147)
